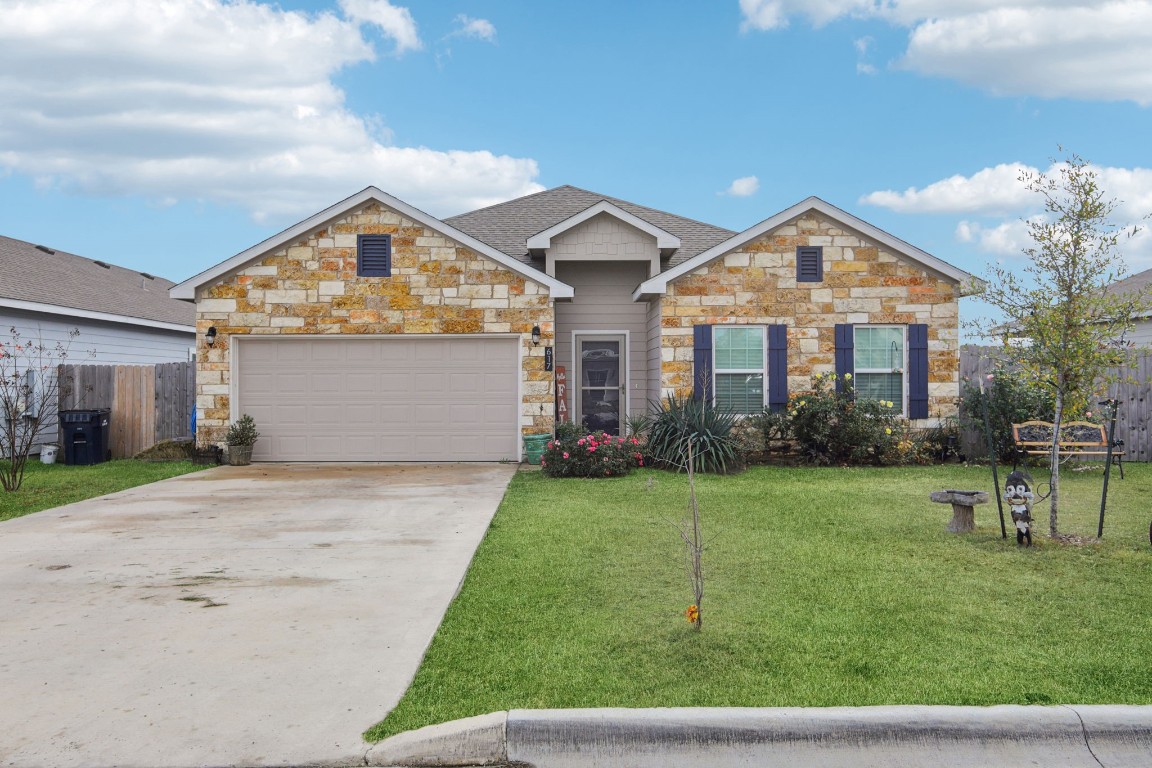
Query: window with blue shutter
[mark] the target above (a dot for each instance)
(374, 255)
(732, 363)
(809, 264)
(876, 355)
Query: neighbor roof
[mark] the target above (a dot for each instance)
(39, 278)
(507, 226)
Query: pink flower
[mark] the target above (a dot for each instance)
(580, 441)
(592, 449)
(635, 441)
(990, 377)
(565, 454)
(1088, 414)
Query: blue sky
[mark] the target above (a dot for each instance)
(168, 135)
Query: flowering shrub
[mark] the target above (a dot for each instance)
(578, 453)
(1012, 397)
(832, 427)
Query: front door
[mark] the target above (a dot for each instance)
(600, 367)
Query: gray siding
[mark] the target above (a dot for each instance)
(605, 238)
(98, 342)
(654, 351)
(1141, 334)
(603, 302)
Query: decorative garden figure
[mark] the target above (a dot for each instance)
(1019, 496)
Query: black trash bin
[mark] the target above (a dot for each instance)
(85, 436)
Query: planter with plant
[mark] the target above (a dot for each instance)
(242, 435)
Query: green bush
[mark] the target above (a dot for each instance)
(1011, 398)
(710, 430)
(832, 427)
(578, 453)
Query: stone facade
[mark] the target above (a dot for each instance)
(863, 284)
(437, 286)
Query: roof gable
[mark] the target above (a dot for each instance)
(187, 289)
(659, 284)
(39, 279)
(665, 241)
(508, 226)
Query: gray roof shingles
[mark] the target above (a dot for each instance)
(507, 226)
(67, 280)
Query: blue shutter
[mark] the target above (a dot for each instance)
(777, 367)
(918, 371)
(702, 362)
(845, 360)
(374, 255)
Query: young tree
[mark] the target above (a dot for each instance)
(29, 394)
(1060, 323)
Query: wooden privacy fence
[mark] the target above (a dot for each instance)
(149, 403)
(1133, 388)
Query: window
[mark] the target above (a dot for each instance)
(374, 255)
(879, 362)
(739, 368)
(809, 264)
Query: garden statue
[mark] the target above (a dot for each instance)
(1019, 496)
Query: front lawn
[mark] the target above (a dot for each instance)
(824, 587)
(51, 485)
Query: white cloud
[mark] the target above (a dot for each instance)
(991, 190)
(481, 29)
(1049, 48)
(395, 22)
(863, 46)
(229, 101)
(745, 186)
(998, 195)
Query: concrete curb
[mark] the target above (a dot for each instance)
(1005, 736)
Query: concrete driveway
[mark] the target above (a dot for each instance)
(246, 616)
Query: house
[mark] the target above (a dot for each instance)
(374, 331)
(124, 317)
(1140, 283)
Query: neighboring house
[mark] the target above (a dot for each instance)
(1141, 282)
(123, 316)
(373, 331)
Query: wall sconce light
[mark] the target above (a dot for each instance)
(210, 336)
(535, 335)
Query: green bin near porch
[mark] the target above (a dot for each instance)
(534, 446)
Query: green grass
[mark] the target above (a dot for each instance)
(824, 587)
(51, 485)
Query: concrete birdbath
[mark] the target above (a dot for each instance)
(963, 514)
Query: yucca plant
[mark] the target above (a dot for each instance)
(710, 430)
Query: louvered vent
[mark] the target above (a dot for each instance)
(809, 264)
(374, 255)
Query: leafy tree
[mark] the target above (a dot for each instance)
(1062, 327)
(29, 395)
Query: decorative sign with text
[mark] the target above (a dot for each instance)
(561, 394)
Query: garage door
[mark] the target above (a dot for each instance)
(381, 399)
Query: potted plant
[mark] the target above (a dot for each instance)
(242, 435)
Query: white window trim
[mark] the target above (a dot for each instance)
(903, 369)
(763, 370)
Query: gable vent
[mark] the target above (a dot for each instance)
(374, 255)
(102, 264)
(46, 249)
(147, 276)
(809, 264)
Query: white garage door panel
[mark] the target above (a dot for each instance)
(394, 399)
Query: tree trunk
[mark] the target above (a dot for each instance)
(1054, 459)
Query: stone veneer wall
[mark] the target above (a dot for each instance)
(311, 287)
(863, 283)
